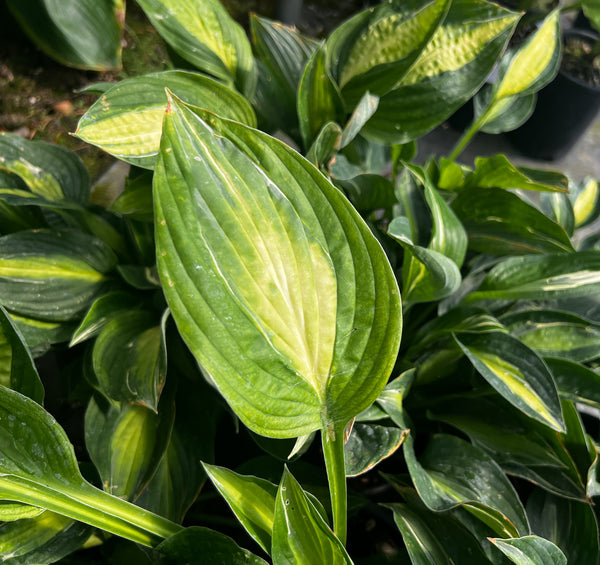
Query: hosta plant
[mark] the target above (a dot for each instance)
(282, 299)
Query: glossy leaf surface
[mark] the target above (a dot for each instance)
(38, 467)
(44, 539)
(369, 444)
(517, 373)
(300, 535)
(85, 34)
(264, 298)
(127, 119)
(575, 275)
(126, 443)
(556, 334)
(129, 358)
(501, 223)
(466, 47)
(575, 381)
(196, 545)
(17, 367)
(530, 550)
(203, 33)
(52, 275)
(49, 172)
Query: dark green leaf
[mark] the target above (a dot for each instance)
(575, 381)
(126, 443)
(198, 546)
(319, 100)
(50, 275)
(50, 172)
(556, 334)
(574, 275)
(500, 222)
(571, 525)
(369, 444)
(451, 67)
(369, 192)
(300, 535)
(85, 34)
(129, 358)
(557, 206)
(510, 117)
(517, 373)
(325, 145)
(530, 550)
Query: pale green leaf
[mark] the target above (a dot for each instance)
(126, 121)
(259, 257)
(530, 550)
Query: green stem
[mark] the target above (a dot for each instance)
(333, 449)
(465, 139)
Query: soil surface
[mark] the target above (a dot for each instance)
(581, 58)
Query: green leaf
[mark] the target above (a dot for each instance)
(427, 275)
(203, 33)
(126, 443)
(265, 288)
(251, 499)
(591, 8)
(319, 100)
(135, 200)
(196, 546)
(325, 144)
(374, 50)
(50, 172)
(368, 445)
(498, 172)
(85, 34)
(569, 524)
(530, 550)
(129, 358)
(465, 47)
(525, 70)
(434, 537)
(365, 108)
(38, 467)
(501, 223)
(17, 368)
(52, 275)
(126, 121)
(574, 381)
(517, 373)
(369, 192)
(520, 445)
(300, 535)
(100, 313)
(285, 53)
(452, 472)
(40, 335)
(574, 275)
(46, 538)
(12, 511)
(557, 206)
(556, 334)
(510, 116)
(585, 198)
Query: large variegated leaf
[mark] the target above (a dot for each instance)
(127, 119)
(52, 276)
(448, 71)
(85, 34)
(275, 283)
(49, 172)
(374, 50)
(203, 33)
(517, 373)
(530, 550)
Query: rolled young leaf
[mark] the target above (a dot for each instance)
(276, 284)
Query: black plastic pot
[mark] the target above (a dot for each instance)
(565, 109)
